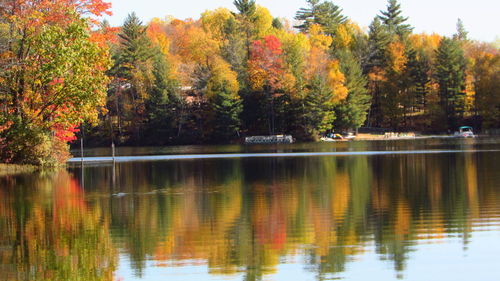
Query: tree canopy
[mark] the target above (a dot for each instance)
(228, 75)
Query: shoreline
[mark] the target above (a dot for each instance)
(359, 137)
(16, 169)
(148, 158)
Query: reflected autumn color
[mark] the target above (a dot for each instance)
(243, 217)
(48, 231)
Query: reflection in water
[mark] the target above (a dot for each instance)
(243, 217)
(48, 231)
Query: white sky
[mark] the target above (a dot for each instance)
(481, 17)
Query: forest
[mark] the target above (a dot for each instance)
(67, 74)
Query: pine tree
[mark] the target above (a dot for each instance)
(307, 15)
(316, 110)
(227, 108)
(277, 23)
(234, 50)
(351, 112)
(135, 47)
(326, 14)
(394, 21)
(133, 79)
(378, 39)
(419, 65)
(162, 103)
(247, 10)
(450, 74)
(461, 34)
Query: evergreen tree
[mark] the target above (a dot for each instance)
(307, 15)
(461, 34)
(378, 39)
(277, 23)
(419, 65)
(317, 112)
(227, 108)
(234, 50)
(135, 47)
(394, 21)
(326, 14)
(247, 10)
(351, 112)
(376, 61)
(162, 104)
(450, 75)
(133, 79)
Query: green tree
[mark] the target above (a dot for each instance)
(247, 16)
(378, 39)
(419, 65)
(450, 75)
(133, 79)
(277, 23)
(376, 61)
(315, 109)
(234, 50)
(246, 8)
(135, 47)
(461, 34)
(326, 14)
(227, 107)
(163, 103)
(394, 21)
(351, 112)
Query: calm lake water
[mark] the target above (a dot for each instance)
(431, 215)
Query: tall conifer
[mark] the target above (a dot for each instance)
(326, 14)
(394, 21)
(351, 112)
(450, 74)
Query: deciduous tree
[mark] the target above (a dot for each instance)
(53, 76)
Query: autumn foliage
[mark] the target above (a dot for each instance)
(265, 64)
(227, 75)
(53, 76)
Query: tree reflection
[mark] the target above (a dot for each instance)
(240, 215)
(48, 232)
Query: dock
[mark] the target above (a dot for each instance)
(269, 139)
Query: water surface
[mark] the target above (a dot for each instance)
(357, 216)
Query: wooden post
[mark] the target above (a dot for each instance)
(81, 148)
(113, 151)
(83, 176)
(82, 167)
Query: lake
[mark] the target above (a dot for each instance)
(381, 210)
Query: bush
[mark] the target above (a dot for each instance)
(23, 144)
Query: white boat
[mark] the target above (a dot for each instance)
(465, 132)
(336, 137)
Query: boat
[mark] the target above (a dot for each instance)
(337, 137)
(465, 132)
